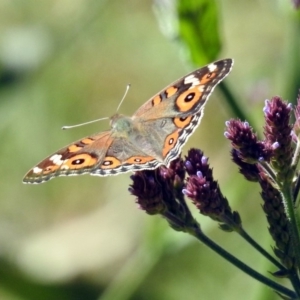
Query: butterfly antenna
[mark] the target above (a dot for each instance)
(82, 124)
(106, 118)
(125, 94)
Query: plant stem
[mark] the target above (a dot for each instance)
(195, 230)
(296, 191)
(294, 165)
(293, 276)
(253, 243)
(268, 171)
(288, 202)
(296, 154)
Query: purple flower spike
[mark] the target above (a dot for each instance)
(296, 3)
(196, 161)
(245, 142)
(278, 134)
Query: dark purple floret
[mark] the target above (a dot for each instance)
(243, 140)
(278, 133)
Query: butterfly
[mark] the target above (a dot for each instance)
(153, 136)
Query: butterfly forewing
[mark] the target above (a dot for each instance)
(188, 94)
(181, 103)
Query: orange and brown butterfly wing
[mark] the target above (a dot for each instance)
(174, 113)
(77, 158)
(188, 95)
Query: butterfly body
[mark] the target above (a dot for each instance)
(153, 136)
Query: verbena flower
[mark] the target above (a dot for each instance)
(278, 132)
(245, 142)
(205, 192)
(159, 192)
(272, 168)
(270, 162)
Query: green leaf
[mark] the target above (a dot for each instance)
(198, 29)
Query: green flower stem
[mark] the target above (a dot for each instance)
(269, 171)
(288, 203)
(296, 191)
(253, 243)
(293, 276)
(239, 230)
(295, 162)
(195, 230)
(296, 154)
(174, 221)
(184, 206)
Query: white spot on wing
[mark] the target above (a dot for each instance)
(201, 88)
(56, 158)
(37, 170)
(191, 79)
(212, 67)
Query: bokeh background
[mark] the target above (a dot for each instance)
(68, 61)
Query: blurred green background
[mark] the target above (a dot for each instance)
(68, 61)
